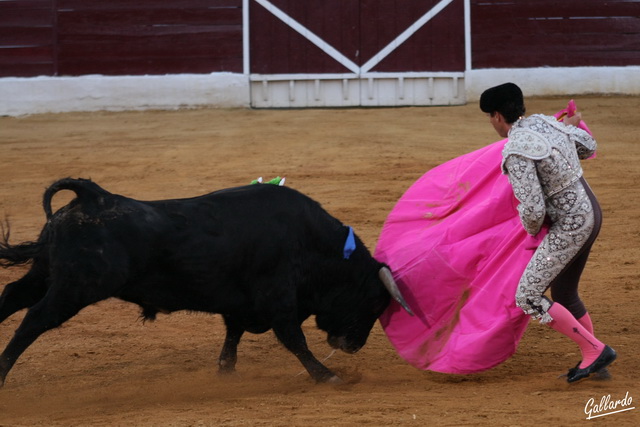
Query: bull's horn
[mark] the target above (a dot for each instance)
(392, 287)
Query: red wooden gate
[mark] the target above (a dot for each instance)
(356, 52)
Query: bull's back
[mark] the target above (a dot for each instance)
(256, 218)
(243, 207)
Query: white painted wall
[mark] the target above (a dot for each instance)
(557, 81)
(20, 96)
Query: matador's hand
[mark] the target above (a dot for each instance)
(573, 120)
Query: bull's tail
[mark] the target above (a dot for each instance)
(11, 255)
(85, 189)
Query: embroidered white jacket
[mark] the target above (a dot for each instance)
(542, 158)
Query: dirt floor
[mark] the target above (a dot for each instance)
(105, 367)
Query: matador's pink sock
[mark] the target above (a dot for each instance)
(566, 324)
(586, 322)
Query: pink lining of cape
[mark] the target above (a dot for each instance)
(457, 248)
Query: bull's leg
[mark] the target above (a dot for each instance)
(290, 333)
(69, 293)
(22, 293)
(45, 315)
(229, 353)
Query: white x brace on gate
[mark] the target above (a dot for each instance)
(361, 85)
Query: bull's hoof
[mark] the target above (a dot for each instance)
(226, 367)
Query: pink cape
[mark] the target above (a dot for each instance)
(457, 249)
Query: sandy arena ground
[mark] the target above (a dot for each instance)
(105, 367)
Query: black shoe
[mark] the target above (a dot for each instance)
(601, 375)
(605, 359)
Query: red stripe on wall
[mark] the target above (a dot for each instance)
(26, 38)
(546, 33)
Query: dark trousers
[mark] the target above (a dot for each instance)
(564, 288)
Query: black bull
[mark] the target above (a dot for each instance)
(263, 256)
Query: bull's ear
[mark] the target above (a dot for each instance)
(392, 287)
